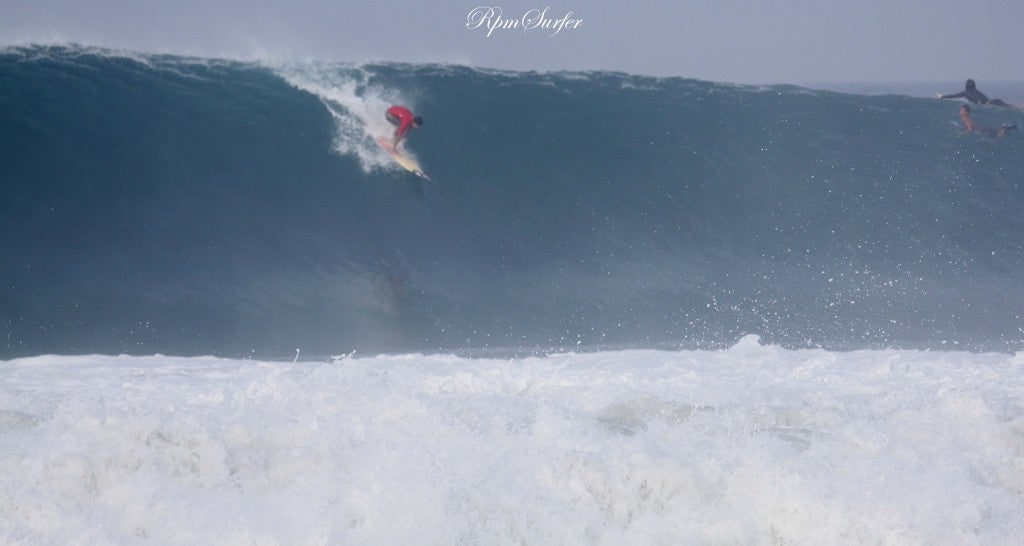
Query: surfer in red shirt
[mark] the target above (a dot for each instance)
(402, 118)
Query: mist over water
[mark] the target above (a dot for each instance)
(157, 204)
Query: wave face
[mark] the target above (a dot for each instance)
(156, 204)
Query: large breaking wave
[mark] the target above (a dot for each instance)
(157, 204)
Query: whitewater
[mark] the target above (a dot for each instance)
(630, 310)
(754, 444)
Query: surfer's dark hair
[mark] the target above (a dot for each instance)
(965, 107)
(417, 120)
(970, 84)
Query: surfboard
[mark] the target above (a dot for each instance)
(405, 161)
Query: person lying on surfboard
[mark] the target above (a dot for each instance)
(970, 127)
(402, 117)
(972, 94)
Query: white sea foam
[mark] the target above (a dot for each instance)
(356, 105)
(750, 445)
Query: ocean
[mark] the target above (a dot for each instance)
(625, 309)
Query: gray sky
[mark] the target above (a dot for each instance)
(741, 41)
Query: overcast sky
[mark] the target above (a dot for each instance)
(741, 41)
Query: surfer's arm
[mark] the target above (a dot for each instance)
(959, 95)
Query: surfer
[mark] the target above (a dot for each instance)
(969, 127)
(972, 94)
(402, 118)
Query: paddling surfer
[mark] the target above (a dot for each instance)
(972, 94)
(970, 127)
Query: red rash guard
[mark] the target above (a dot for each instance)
(404, 118)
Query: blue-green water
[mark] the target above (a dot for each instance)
(154, 204)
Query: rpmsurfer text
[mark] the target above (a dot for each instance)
(491, 19)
